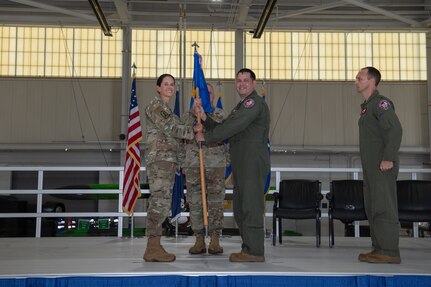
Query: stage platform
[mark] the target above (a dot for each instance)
(112, 261)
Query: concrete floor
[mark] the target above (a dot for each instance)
(80, 256)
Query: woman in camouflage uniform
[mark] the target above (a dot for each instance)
(162, 146)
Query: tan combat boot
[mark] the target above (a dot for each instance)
(363, 256)
(244, 257)
(199, 247)
(155, 252)
(214, 247)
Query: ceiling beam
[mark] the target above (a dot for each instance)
(51, 8)
(122, 11)
(241, 16)
(387, 13)
(426, 23)
(313, 9)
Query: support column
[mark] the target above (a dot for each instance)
(239, 50)
(126, 84)
(125, 87)
(428, 51)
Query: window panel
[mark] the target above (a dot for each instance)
(82, 52)
(216, 49)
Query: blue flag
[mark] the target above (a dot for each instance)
(200, 84)
(177, 103)
(178, 190)
(228, 173)
(219, 104)
(268, 179)
(177, 196)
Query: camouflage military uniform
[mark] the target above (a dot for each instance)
(162, 147)
(215, 156)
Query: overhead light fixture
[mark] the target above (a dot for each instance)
(264, 18)
(101, 17)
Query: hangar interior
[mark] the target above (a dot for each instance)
(79, 121)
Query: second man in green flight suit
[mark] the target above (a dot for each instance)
(380, 136)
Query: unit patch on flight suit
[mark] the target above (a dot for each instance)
(248, 103)
(384, 105)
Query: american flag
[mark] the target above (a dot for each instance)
(132, 166)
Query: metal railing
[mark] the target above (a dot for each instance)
(40, 192)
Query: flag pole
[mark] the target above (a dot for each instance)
(132, 220)
(201, 168)
(202, 172)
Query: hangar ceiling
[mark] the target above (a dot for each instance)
(410, 15)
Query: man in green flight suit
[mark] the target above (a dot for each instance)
(247, 129)
(380, 136)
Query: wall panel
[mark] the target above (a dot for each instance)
(38, 111)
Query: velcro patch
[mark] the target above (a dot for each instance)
(164, 114)
(248, 103)
(384, 105)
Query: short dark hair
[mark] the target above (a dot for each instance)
(246, 70)
(160, 79)
(373, 73)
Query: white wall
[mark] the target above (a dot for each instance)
(48, 111)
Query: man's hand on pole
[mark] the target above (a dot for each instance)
(198, 109)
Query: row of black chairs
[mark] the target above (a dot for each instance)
(301, 199)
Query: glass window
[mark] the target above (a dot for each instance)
(59, 52)
(158, 51)
(30, 51)
(359, 53)
(8, 51)
(278, 55)
(335, 56)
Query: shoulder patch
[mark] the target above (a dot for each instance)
(248, 103)
(164, 114)
(384, 105)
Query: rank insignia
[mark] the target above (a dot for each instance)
(384, 105)
(248, 103)
(363, 111)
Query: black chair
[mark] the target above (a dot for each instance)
(414, 200)
(297, 199)
(346, 203)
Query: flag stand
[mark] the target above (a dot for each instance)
(132, 225)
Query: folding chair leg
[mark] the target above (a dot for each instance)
(331, 232)
(274, 230)
(317, 232)
(280, 232)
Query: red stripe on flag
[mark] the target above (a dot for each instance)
(132, 166)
